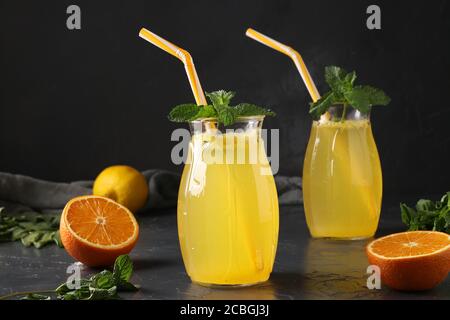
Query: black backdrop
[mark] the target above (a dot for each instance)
(74, 102)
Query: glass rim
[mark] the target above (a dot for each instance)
(242, 118)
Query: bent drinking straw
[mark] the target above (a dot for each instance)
(196, 87)
(184, 56)
(294, 55)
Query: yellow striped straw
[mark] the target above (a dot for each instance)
(294, 55)
(184, 56)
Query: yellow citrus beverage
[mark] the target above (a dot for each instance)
(227, 212)
(342, 183)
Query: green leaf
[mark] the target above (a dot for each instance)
(35, 296)
(63, 288)
(47, 237)
(103, 280)
(31, 238)
(445, 200)
(248, 109)
(220, 97)
(427, 215)
(350, 78)
(220, 109)
(102, 294)
(343, 92)
(31, 229)
(220, 101)
(226, 115)
(123, 268)
(57, 239)
(101, 286)
(205, 112)
(335, 77)
(183, 112)
(319, 107)
(425, 205)
(406, 214)
(364, 97)
(377, 97)
(82, 293)
(18, 233)
(358, 99)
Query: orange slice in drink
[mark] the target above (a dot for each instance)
(413, 260)
(96, 230)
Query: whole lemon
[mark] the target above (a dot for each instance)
(124, 185)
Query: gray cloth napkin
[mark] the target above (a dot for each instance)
(20, 193)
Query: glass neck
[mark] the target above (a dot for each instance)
(342, 113)
(241, 125)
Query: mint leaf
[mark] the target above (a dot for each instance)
(343, 92)
(183, 112)
(221, 100)
(220, 109)
(377, 96)
(205, 112)
(427, 215)
(248, 109)
(220, 97)
(35, 296)
(359, 100)
(103, 280)
(364, 97)
(189, 112)
(407, 214)
(100, 286)
(102, 294)
(321, 106)
(31, 228)
(334, 76)
(225, 115)
(339, 81)
(123, 268)
(350, 77)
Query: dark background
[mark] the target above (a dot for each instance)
(74, 102)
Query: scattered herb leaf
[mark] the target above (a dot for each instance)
(219, 108)
(32, 229)
(101, 286)
(428, 215)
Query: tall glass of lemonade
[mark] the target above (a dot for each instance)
(227, 205)
(342, 182)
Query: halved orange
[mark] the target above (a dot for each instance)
(96, 230)
(413, 260)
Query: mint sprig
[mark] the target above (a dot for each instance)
(344, 92)
(31, 228)
(104, 285)
(219, 108)
(428, 215)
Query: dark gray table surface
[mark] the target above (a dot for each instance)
(304, 269)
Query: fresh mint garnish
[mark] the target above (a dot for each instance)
(31, 228)
(428, 215)
(344, 92)
(220, 97)
(219, 108)
(104, 285)
(248, 109)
